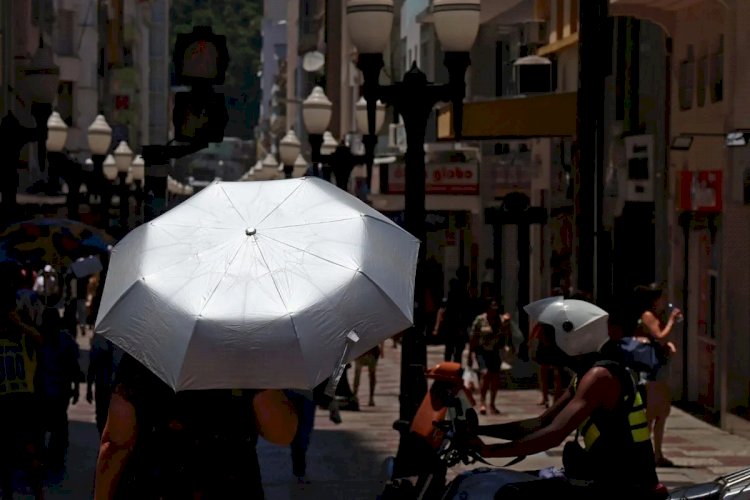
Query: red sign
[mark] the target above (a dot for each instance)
(445, 178)
(700, 191)
(122, 102)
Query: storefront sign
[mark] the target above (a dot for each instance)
(446, 178)
(700, 191)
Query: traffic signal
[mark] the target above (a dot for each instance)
(199, 116)
(200, 60)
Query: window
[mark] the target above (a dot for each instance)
(717, 72)
(687, 80)
(65, 36)
(700, 87)
(65, 102)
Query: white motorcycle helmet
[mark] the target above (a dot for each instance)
(580, 327)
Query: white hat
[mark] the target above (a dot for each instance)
(49, 269)
(580, 327)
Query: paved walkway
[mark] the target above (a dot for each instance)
(344, 460)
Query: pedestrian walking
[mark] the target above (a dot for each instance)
(104, 357)
(158, 444)
(47, 286)
(490, 338)
(547, 372)
(369, 360)
(452, 324)
(58, 385)
(304, 404)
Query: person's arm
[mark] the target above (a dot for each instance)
(513, 431)
(438, 320)
(275, 417)
(118, 440)
(652, 323)
(597, 388)
(26, 330)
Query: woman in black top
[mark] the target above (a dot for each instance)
(192, 444)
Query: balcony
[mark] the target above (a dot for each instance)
(548, 115)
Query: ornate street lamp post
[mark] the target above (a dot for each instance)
(268, 170)
(100, 139)
(59, 162)
(370, 140)
(42, 77)
(138, 170)
(109, 172)
(300, 166)
(316, 114)
(457, 24)
(289, 149)
(326, 153)
(123, 159)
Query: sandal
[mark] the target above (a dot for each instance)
(483, 410)
(494, 410)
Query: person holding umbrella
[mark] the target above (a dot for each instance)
(243, 278)
(161, 444)
(603, 403)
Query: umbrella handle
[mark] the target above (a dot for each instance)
(338, 371)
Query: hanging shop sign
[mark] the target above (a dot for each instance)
(700, 191)
(440, 178)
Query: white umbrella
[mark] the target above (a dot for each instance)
(580, 326)
(258, 285)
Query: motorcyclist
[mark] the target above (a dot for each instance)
(602, 403)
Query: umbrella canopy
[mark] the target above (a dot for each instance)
(258, 285)
(58, 242)
(580, 327)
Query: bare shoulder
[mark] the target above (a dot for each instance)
(600, 384)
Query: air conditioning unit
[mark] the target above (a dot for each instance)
(533, 33)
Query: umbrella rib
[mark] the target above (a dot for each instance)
(305, 251)
(232, 203)
(226, 270)
(278, 290)
(358, 271)
(303, 224)
(278, 205)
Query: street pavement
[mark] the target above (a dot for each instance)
(344, 461)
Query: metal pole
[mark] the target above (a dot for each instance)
(7, 25)
(684, 220)
(124, 201)
(588, 167)
(414, 348)
(155, 183)
(414, 98)
(138, 202)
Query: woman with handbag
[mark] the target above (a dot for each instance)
(652, 329)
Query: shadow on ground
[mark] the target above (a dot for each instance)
(341, 465)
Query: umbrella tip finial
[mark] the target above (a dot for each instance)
(250, 231)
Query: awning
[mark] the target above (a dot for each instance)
(549, 115)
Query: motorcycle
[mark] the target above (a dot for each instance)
(436, 440)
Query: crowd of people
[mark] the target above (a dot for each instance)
(40, 374)
(463, 319)
(138, 415)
